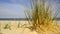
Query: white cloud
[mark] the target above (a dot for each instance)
(17, 10)
(12, 10)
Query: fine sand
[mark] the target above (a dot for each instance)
(16, 30)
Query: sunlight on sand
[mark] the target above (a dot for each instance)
(16, 30)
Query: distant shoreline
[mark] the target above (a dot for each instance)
(15, 19)
(21, 19)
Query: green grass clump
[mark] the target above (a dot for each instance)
(7, 26)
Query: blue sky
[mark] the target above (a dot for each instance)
(15, 8)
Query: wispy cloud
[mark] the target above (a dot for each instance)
(16, 8)
(12, 10)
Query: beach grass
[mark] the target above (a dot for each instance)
(42, 19)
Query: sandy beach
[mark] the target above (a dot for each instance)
(16, 30)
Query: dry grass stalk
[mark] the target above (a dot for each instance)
(41, 18)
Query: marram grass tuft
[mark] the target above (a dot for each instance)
(42, 20)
